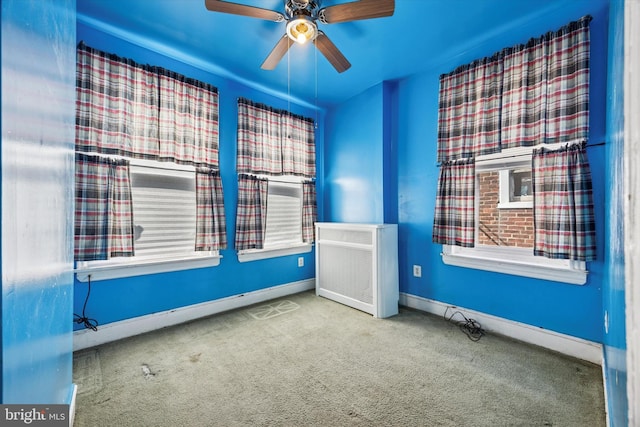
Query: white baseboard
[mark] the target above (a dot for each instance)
(565, 344)
(72, 405)
(605, 383)
(127, 328)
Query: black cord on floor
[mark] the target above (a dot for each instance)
(470, 327)
(84, 320)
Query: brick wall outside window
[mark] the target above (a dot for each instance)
(501, 227)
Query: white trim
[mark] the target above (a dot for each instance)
(257, 254)
(605, 385)
(72, 405)
(565, 344)
(632, 204)
(507, 265)
(138, 267)
(127, 328)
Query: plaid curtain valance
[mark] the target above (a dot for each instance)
(524, 95)
(139, 111)
(274, 142)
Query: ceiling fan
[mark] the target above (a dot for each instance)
(302, 17)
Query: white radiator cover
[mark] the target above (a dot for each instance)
(357, 265)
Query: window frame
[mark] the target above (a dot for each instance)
(301, 247)
(512, 260)
(137, 265)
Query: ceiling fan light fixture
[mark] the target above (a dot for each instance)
(301, 29)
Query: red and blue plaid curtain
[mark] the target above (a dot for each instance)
(309, 211)
(469, 110)
(103, 212)
(251, 213)
(454, 220)
(116, 105)
(525, 95)
(545, 95)
(298, 145)
(188, 120)
(210, 221)
(259, 139)
(138, 111)
(563, 204)
(272, 142)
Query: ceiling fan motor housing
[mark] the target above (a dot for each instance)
(293, 7)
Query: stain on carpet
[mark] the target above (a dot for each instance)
(268, 311)
(87, 373)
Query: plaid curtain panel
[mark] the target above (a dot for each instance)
(454, 218)
(259, 139)
(188, 120)
(298, 146)
(568, 86)
(309, 211)
(138, 111)
(210, 220)
(251, 213)
(469, 110)
(546, 88)
(116, 105)
(563, 204)
(104, 211)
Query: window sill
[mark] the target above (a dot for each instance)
(121, 269)
(516, 205)
(257, 254)
(569, 275)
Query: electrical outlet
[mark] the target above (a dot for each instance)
(300, 262)
(417, 271)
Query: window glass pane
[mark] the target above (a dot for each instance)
(502, 227)
(520, 185)
(164, 212)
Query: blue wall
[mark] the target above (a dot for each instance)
(615, 349)
(355, 148)
(38, 102)
(119, 299)
(353, 174)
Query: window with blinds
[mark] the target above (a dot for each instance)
(284, 215)
(164, 225)
(164, 211)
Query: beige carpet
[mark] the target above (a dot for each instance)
(307, 361)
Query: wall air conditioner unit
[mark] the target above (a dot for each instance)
(357, 265)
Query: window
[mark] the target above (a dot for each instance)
(284, 215)
(164, 225)
(515, 188)
(283, 230)
(148, 186)
(504, 223)
(275, 160)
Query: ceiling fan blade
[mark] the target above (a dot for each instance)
(243, 10)
(362, 9)
(331, 52)
(277, 53)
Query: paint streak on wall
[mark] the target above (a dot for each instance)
(38, 104)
